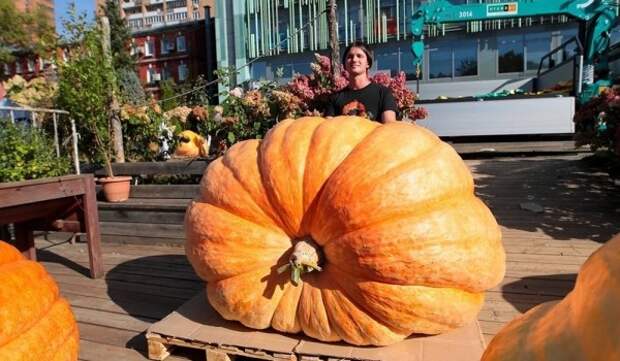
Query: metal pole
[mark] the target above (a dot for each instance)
(76, 161)
(56, 144)
(580, 74)
(12, 114)
(34, 119)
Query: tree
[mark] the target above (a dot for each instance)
(85, 80)
(334, 45)
(120, 37)
(21, 31)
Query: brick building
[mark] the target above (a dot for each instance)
(173, 39)
(176, 53)
(30, 6)
(27, 64)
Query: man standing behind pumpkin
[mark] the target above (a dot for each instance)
(362, 97)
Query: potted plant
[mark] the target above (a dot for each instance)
(87, 83)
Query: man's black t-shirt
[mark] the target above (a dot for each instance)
(370, 101)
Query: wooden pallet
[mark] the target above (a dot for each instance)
(196, 325)
(161, 346)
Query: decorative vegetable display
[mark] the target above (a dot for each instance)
(345, 229)
(584, 326)
(35, 323)
(191, 145)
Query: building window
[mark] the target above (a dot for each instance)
(18, 67)
(7, 69)
(152, 75)
(466, 58)
(440, 62)
(510, 53)
(259, 71)
(162, 45)
(406, 62)
(165, 73)
(386, 59)
(30, 65)
(183, 73)
(181, 43)
(149, 48)
(537, 45)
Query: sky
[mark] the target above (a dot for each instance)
(62, 8)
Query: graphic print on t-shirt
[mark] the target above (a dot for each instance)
(355, 108)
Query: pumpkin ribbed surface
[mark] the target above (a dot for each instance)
(35, 323)
(584, 326)
(403, 244)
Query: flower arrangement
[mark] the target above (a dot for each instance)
(597, 122)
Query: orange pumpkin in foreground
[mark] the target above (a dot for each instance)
(35, 323)
(584, 326)
(379, 221)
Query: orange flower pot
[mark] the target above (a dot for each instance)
(116, 189)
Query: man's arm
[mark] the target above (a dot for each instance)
(389, 106)
(388, 116)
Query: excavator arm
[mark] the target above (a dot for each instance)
(600, 14)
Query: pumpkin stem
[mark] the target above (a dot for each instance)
(304, 259)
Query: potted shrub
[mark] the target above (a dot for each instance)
(86, 84)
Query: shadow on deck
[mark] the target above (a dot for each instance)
(566, 199)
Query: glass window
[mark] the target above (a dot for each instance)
(537, 46)
(259, 71)
(466, 58)
(18, 67)
(182, 69)
(510, 53)
(30, 65)
(570, 49)
(181, 43)
(7, 70)
(615, 35)
(301, 68)
(387, 59)
(440, 62)
(283, 70)
(149, 48)
(406, 62)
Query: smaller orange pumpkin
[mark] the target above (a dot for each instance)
(584, 326)
(35, 323)
(191, 145)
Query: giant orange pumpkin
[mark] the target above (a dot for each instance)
(584, 326)
(35, 323)
(377, 226)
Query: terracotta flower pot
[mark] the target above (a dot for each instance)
(116, 189)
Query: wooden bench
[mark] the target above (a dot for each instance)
(154, 214)
(65, 204)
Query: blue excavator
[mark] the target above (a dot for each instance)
(596, 18)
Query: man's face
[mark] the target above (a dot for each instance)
(356, 61)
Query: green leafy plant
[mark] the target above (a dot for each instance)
(85, 81)
(28, 153)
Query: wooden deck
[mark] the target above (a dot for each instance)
(572, 210)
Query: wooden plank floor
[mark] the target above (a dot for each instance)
(580, 211)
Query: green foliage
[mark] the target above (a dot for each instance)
(85, 81)
(27, 153)
(193, 98)
(130, 89)
(143, 132)
(24, 31)
(167, 93)
(120, 37)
